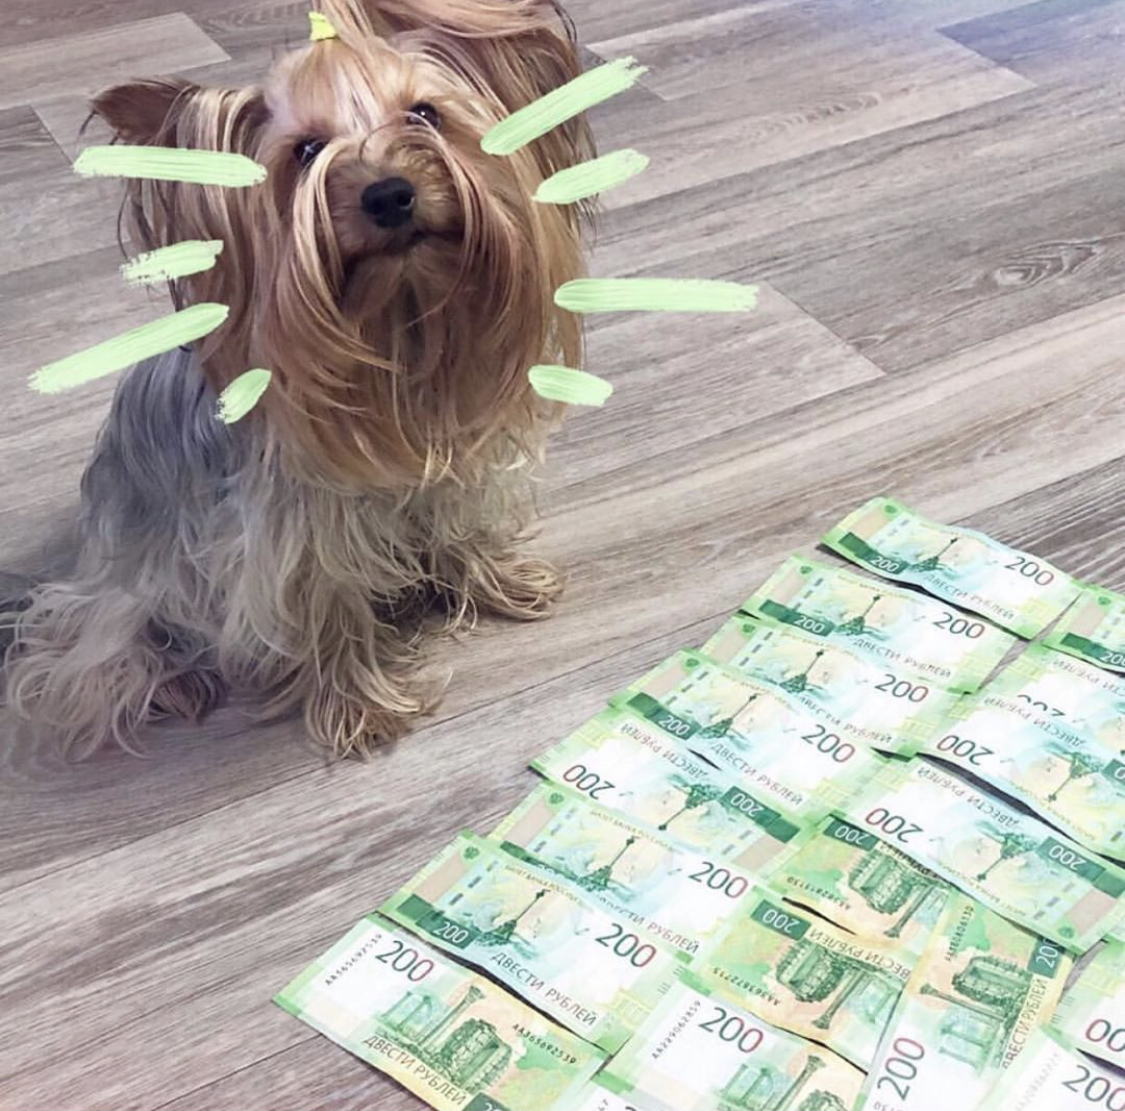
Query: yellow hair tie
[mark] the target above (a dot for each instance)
(320, 27)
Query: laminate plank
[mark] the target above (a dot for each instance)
(49, 20)
(51, 311)
(26, 147)
(798, 50)
(699, 141)
(597, 20)
(1078, 521)
(956, 229)
(60, 216)
(84, 62)
(680, 378)
(1075, 42)
(951, 408)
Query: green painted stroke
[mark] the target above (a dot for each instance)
(563, 383)
(655, 295)
(560, 105)
(242, 395)
(588, 178)
(196, 167)
(189, 257)
(154, 338)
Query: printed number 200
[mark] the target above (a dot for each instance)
(902, 1069)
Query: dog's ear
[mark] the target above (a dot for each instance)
(514, 51)
(141, 111)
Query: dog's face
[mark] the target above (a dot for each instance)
(396, 279)
(390, 143)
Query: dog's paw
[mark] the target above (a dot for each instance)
(523, 588)
(190, 695)
(348, 725)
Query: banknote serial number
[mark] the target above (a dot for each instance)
(1096, 1089)
(901, 1069)
(734, 1029)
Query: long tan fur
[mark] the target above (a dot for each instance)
(299, 554)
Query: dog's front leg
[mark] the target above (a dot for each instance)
(358, 678)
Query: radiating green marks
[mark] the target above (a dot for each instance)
(196, 167)
(655, 295)
(151, 339)
(563, 383)
(242, 395)
(575, 183)
(177, 261)
(560, 105)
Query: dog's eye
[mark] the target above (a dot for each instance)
(424, 112)
(307, 149)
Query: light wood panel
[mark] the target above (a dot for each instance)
(956, 229)
(934, 216)
(89, 60)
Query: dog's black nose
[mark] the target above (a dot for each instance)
(389, 202)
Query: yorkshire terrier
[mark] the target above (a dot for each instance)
(398, 283)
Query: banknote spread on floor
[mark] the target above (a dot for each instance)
(862, 848)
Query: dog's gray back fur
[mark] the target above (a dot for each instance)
(163, 460)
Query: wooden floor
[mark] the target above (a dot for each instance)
(932, 196)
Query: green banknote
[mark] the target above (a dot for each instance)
(980, 989)
(596, 1097)
(861, 883)
(1011, 862)
(1091, 1012)
(696, 1052)
(1094, 629)
(451, 1037)
(590, 970)
(771, 742)
(666, 888)
(1065, 776)
(632, 765)
(1051, 1075)
(1019, 591)
(850, 694)
(901, 628)
(1069, 693)
(806, 976)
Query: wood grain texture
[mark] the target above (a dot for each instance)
(1069, 41)
(957, 229)
(928, 194)
(86, 61)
